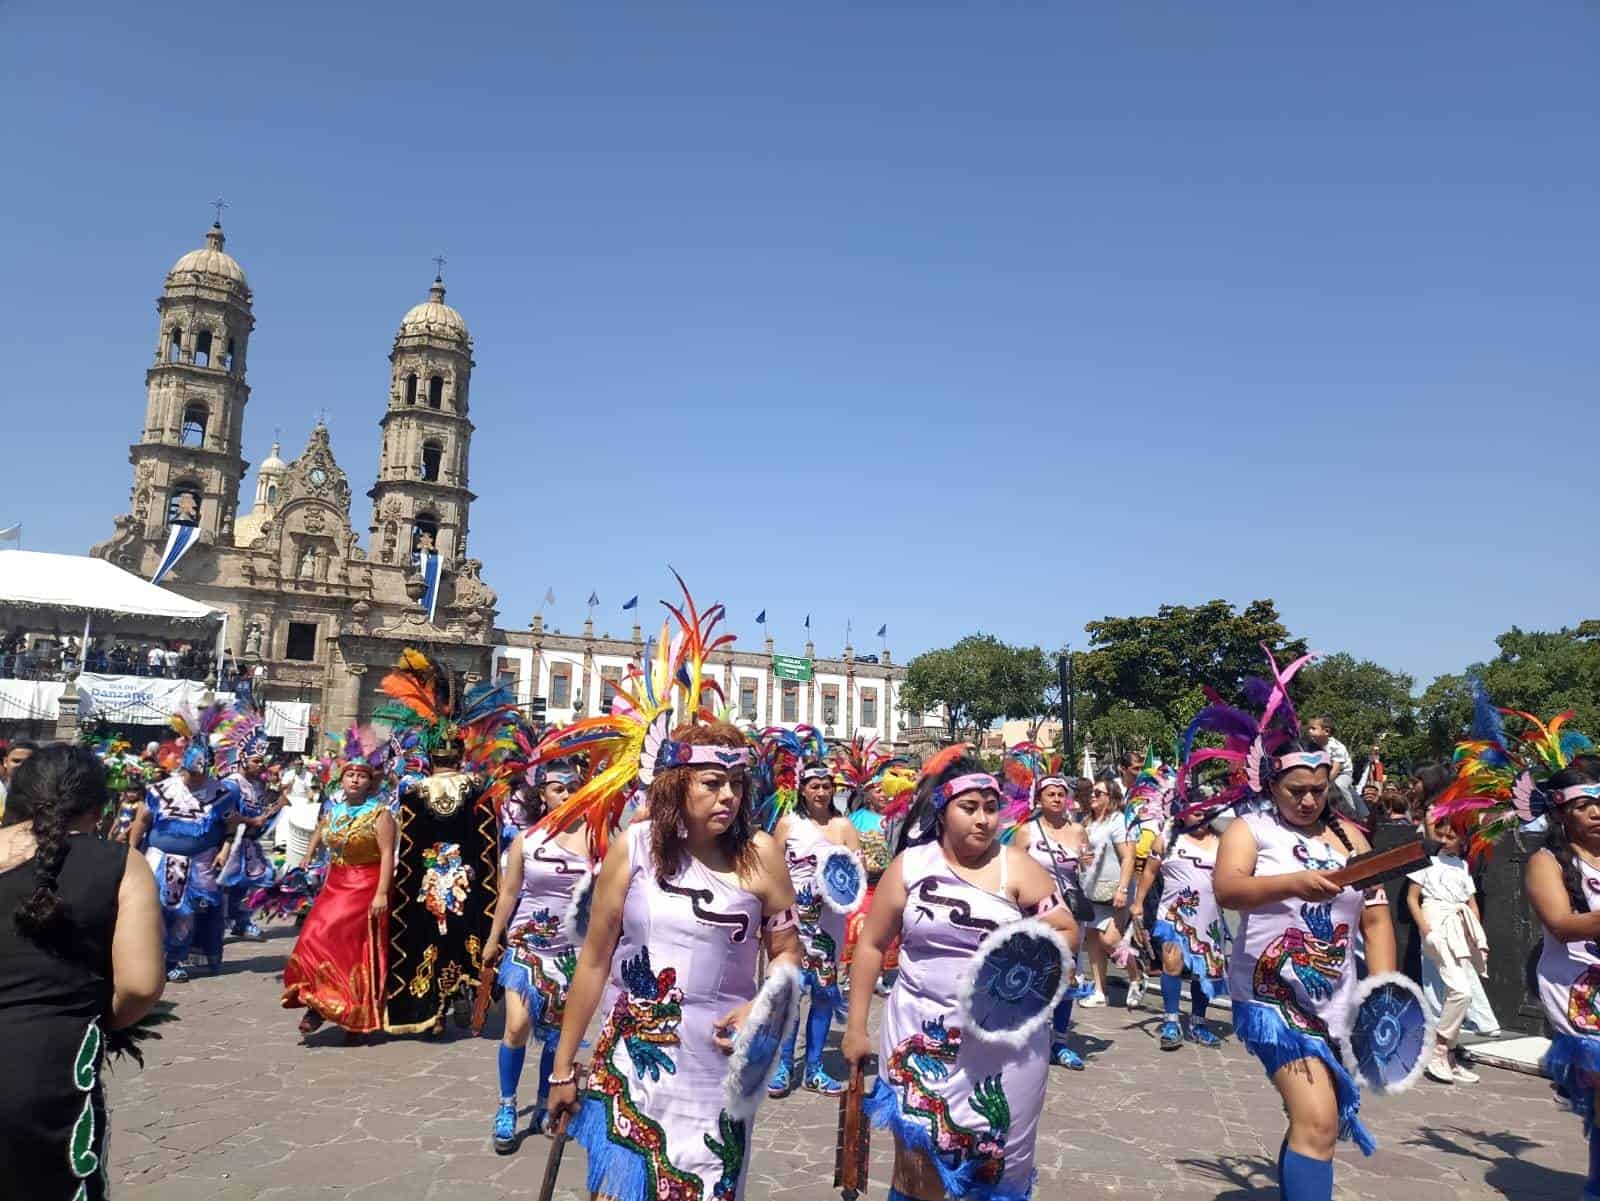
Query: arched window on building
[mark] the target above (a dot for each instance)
(424, 534)
(436, 391)
(202, 349)
(194, 425)
(227, 359)
(272, 494)
(183, 503)
(175, 344)
(432, 456)
(411, 388)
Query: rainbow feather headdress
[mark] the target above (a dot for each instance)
(1150, 797)
(626, 747)
(199, 734)
(368, 747)
(780, 754)
(1250, 744)
(241, 735)
(1497, 782)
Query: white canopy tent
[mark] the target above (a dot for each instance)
(35, 584)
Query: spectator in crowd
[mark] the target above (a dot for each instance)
(156, 661)
(16, 754)
(1444, 909)
(1319, 734)
(80, 958)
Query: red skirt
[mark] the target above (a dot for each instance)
(852, 934)
(341, 957)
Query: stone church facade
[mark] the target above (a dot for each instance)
(327, 616)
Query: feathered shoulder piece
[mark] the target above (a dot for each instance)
(1499, 776)
(625, 747)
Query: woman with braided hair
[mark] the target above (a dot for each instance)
(80, 958)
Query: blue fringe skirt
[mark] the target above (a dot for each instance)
(517, 974)
(1275, 1043)
(1568, 1061)
(1195, 965)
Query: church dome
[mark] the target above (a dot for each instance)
(273, 464)
(210, 265)
(433, 318)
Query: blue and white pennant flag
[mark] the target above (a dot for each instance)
(430, 583)
(179, 539)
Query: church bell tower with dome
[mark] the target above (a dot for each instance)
(420, 500)
(188, 461)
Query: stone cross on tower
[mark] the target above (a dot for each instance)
(438, 266)
(219, 204)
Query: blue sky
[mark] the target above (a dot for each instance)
(950, 316)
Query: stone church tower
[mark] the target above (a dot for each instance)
(420, 499)
(187, 462)
(322, 615)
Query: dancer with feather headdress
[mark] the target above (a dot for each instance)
(1057, 843)
(340, 959)
(184, 826)
(1504, 782)
(446, 878)
(242, 760)
(1292, 970)
(964, 1048)
(877, 801)
(545, 876)
(1185, 921)
(682, 907)
(822, 850)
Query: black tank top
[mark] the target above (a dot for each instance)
(53, 1007)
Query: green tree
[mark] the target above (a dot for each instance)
(978, 681)
(1141, 679)
(1538, 672)
(1364, 699)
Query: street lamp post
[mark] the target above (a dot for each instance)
(1064, 671)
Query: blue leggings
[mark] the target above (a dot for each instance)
(818, 1022)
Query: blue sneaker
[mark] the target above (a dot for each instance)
(1200, 1033)
(782, 1082)
(178, 975)
(505, 1128)
(818, 1081)
(1064, 1056)
(1171, 1035)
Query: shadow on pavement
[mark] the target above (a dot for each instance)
(1509, 1173)
(1238, 1177)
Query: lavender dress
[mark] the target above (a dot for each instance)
(972, 1107)
(1189, 915)
(652, 1118)
(538, 962)
(1292, 973)
(821, 929)
(1569, 990)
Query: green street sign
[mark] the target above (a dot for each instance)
(790, 667)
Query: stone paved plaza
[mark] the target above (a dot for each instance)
(233, 1106)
